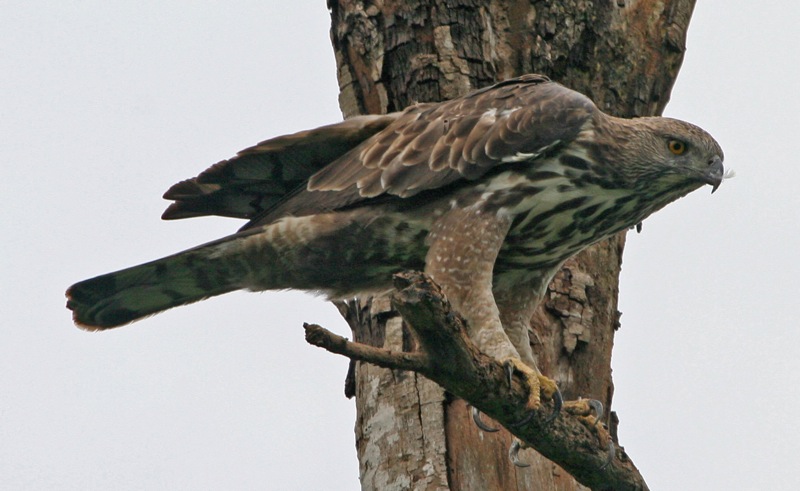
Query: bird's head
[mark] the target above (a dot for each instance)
(668, 158)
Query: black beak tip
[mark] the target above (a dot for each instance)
(715, 173)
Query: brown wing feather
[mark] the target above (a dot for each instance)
(425, 147)
(433, 145)
(262, 176)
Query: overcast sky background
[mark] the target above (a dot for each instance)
(106, 104)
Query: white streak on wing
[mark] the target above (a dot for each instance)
(519, 157)
(522, 156)
(507, 112)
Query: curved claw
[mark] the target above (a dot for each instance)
(509, 371)
(476, 417)
(612, 454)
(598, 409)
(558, 403)
(513, 453)
(525, 420)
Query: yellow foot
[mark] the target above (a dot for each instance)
(589, 412)
(537, 383)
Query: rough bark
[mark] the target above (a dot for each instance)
(625, 55)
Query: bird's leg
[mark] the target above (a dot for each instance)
(462, 263)
(516, 306)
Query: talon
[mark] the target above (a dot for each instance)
(525, 420)
(612, 454)
(513, 453)
(558, 402)
(598, 409)
(476, 417)
(509, 366)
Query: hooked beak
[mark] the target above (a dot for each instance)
(714, 174)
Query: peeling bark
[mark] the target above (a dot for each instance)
(625, 55)
(399, 430)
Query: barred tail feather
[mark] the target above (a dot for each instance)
(115, 299)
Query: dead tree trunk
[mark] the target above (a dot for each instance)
(625, 55)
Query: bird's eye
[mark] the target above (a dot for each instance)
(677, 147)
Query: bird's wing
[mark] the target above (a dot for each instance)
(260, 177)
(427, 146)
(432, 145)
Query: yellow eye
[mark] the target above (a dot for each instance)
(676, 146)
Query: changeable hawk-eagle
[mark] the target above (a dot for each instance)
(488, 193)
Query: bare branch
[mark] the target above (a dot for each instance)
(323, 338)
(449, 358)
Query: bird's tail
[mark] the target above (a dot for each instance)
(114, 299)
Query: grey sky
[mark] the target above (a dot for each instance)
(106, 104)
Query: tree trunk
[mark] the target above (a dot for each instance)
(625, 55)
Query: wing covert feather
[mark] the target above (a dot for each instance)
(433, 145)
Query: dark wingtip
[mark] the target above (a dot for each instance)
(176, 211)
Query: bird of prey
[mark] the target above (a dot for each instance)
(488, 193)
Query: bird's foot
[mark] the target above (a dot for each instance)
(538, 384)
(590, 413)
